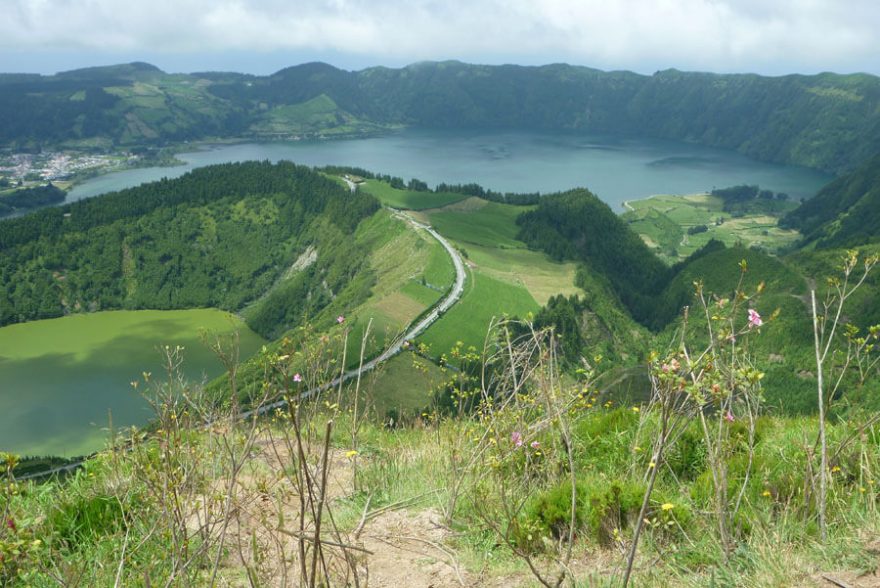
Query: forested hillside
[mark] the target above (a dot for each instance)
(845, 213)
(272, 236)
(576, 225)
(826, 121)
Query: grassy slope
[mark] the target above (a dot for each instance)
(401, 258)
(478, 222)
(778, 547)
(408, 199)
(483, 299)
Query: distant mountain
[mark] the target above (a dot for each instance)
(825, 121)
(845, 213)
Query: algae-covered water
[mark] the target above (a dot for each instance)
(61, 378)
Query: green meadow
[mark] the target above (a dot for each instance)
(479, 222)
(62, 378)
(408, 199)
(484, 298)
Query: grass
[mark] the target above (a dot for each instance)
(404, 386)
(484, 297)
(79, 522)
(478, 222)
(408, 199)
(534, 270)
(320, 114)
(486, 233)
(663, 221)
(62, 377)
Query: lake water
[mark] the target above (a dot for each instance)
(614, 168)
(61, 378)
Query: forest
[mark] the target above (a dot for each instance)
(220, 236)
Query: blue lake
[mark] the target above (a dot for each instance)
(614, 168)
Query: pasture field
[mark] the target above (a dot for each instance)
(484, 298)
(476, 221)
(663, 222)
(408, 199)
(63, 378)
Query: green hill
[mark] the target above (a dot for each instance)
(273, 237)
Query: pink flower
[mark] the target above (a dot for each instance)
(516, 439)
(729, 417)
(754, 318)
(535, 444)
(297, 377)
(340, 319)
(10, 524)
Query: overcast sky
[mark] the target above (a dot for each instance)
(262, 36)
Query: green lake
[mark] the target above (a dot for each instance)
(61, 378)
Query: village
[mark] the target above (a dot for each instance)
(20, 169)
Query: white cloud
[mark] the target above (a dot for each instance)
(724, 35)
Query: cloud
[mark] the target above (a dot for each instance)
(771, 36)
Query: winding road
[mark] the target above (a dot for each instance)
(410, 333)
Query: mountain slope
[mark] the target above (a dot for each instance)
(845, 213)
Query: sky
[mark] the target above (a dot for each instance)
(770, 37)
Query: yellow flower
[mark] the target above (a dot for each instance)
(652, 464)
(351, 453)
(765, 493)
(835, 469)
(667, 506)
(635, 409)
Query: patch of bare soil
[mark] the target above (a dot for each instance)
(409, 549)
(846, 580)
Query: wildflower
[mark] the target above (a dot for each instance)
(667, 506)
(351, 453)
(765, 493)
(516, 439)
(340, 319)
(652, 465)
(729, 417)
(297, 377)
(754, 318)
(535, 444)
(635, 409)
(835, 469)
(10, 524)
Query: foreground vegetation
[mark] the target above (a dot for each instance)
(534, 476)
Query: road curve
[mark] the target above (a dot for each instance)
(411, 333)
